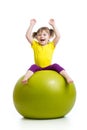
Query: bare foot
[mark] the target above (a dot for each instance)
(24, 81)
(69, 80)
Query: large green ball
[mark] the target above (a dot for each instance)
(46, 95)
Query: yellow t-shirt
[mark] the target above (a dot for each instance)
(43, 54)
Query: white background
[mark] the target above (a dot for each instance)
(16, 56)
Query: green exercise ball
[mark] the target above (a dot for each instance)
(46, 95)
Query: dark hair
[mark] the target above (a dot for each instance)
(50, 31)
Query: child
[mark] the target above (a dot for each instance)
(43, 50)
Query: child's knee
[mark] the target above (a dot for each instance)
(34, 68)
(57, 67)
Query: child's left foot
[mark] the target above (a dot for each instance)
(24, 81)
(69, 80)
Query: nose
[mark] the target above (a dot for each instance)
(42, 35)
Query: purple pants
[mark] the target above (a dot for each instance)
(54, 67)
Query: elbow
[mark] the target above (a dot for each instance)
(29, 38)
(59, 36)
(26, 36)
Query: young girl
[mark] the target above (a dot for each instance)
(43, 50)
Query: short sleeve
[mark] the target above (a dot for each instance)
(33, 44)
(52, 45)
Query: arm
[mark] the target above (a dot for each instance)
(29, 31)
(57, 34)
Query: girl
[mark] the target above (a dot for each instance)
(43, 50)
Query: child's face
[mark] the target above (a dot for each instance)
(43, 37)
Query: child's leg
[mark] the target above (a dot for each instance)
(30, 72)
(60, 70)
(66, 76)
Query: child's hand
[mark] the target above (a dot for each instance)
(52, 22)
(32, 21)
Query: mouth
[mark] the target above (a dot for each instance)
(42, 40)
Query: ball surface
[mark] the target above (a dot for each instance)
(46, 95)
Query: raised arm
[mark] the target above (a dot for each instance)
(29, 31)
(57, 34)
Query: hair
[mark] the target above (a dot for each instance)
(49, 31)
